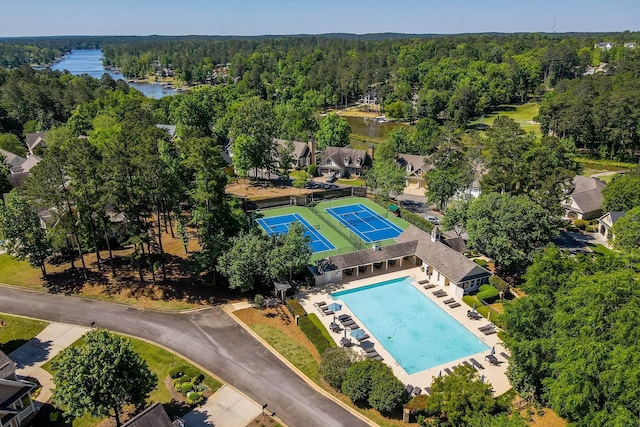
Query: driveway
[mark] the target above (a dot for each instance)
(210, 338)
(226, 408)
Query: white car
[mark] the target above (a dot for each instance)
(432, 219)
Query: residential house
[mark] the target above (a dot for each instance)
(585, 198)
(344, 161)
(302, 153)
(153, 416)
(442, 264)
(171, 130)
(16, 404)
(19, 167)
(36, 142)
(416, 168)
(606, 222)
(603, 45)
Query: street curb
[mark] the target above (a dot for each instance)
(184, 311)
(229, 310)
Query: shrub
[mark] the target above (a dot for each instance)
(481, 262)
(177, 372)
(489, 294)
(334, 364)
(186, 388)
(499, 284)
(295, 308)
(581, 223)
(312, 169)
(357, 380)
(258, 301)
(193, 375)
(194, 398)
(589, 229)
(387, 392)
(322, 328)
(314, 334)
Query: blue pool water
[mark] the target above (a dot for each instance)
(418, 334)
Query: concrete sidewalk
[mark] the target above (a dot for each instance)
(45, 346)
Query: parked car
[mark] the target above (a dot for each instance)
(432, 219)
(331, 178)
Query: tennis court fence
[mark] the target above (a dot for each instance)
(307, 200)
(335, 225)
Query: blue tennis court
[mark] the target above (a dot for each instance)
(277, 225)
(365, 223)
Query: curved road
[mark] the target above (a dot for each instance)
(209, 337)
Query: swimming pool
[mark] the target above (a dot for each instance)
(418, 334)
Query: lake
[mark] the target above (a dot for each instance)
(89, 61)
(368, 126)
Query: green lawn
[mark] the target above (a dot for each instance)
(18, 273)
(160, 362)
(294, 174)
(290, 349)
(599, 249)
(17, 331)
(351, 182)
(522, 114)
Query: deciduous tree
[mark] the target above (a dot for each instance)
(20, 228)
(334, 131)
(460, 396)
(101, 377)
(509, 229)
(627, 231)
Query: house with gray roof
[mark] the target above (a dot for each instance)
(607, 221)
(19, 167)
(416, 168)
(16, 404)
(344, 161)
(36, 142)
(302, 156)
(442, 264)
(153, 416)
(585, 198)
(170, 129)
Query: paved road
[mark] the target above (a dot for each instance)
(209, 337)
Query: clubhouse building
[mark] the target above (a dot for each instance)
(442, 265)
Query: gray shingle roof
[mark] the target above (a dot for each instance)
(7, 367)
(153, 416)
(587, 193)
(35, 138)
(338, 155)
(369, 256)
(442, 258)
(414, 241)
(300, 149)
(415, 162)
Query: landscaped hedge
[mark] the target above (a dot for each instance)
(295, 308)
(314, 334)
(488, 294)
(316, 320)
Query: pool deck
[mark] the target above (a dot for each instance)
(496, 375)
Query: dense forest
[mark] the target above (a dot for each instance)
(106, 157)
